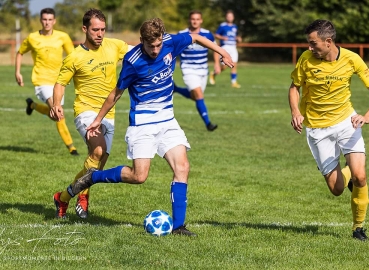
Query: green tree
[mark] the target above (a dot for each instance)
(110, 6)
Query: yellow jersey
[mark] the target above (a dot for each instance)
(325, 98)
(94, 74)
(47, 55)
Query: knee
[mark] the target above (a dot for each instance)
(140, 178)
(359, 180)
(182, 168)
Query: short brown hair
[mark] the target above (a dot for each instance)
(324, 28)
(92, 13)
(152, 29)
(195, 11)
(47, 11)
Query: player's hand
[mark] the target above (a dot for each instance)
(56, 113)
(227, 60)
(296, 122)
(19, 79)
(358, 121)
(93, 130)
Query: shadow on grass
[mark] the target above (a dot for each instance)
(49, 214)
(17, 149)
(310, 229)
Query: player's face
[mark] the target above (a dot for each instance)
(152, 49)
(95, 32)
(229, 17)
(195, 21)
(319, 47)
(47, 21)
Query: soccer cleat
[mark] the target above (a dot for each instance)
(211, 127)
(61, 207)
(74, 152)
(359, 234)
(82, 206)
(350, 185)
(84, 182)
(236, 85)
(29, 110)
(212, 78)
(182, 230)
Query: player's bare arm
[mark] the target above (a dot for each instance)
(294, 98)
(18, 75)
(56, 112)
(114, 96)
(226, 58)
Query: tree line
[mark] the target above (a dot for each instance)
(258, 20)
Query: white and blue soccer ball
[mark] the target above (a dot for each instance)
(158, 223)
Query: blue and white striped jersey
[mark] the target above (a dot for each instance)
(227, 30)
(194, 59)
(150, 81)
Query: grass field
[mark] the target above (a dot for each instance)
(255, 197)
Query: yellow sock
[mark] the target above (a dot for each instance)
(346, 175)
(89, 163)
(64, 134)
(359, 204)
(41, 108)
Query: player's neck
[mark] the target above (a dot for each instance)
(333, 54)
(46, 32)
(89, 45)
(194, 30)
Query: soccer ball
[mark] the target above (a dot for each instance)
(158, 223)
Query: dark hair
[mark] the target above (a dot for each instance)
(229, 11)
(324, 28)
(195, 11)
(92, 13)
(152, 29)
(47, 11)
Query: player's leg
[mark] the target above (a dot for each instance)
(359, 195)
(234, 54)
(173, 147)
(182, 90)
(45, 94)
(197, 85)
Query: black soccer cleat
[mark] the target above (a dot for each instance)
(211, 127)
(82, 183)
(74, 153)
(182, 230)
(359, 234)
(82, 206)
(29, 110)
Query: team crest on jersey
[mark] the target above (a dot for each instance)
(168, 59)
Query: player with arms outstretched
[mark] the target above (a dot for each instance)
(148, 74)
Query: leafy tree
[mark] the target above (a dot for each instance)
(110, 6)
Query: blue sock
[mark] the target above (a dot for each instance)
(178, 195)
(108, 176)
(233, 77)
(183, 91)
(203, 111)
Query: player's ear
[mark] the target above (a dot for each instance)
(84, 29)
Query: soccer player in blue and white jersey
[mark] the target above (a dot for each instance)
(227, 33)
(194, 66)
(147, 72)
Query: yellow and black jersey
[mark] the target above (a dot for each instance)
(47, 54)
(93, 73)
(325, 98)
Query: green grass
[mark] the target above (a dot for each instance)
(255, 197)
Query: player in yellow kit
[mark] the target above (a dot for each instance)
(46, 46)
(92, 65)
(332, 126)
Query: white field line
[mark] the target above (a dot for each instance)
(241, 224)
(176, 111)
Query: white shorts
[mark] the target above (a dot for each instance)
(44, 92)
(326, 144)
(232, 50)
(83, 120)
(193, 81)
(147, 140)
